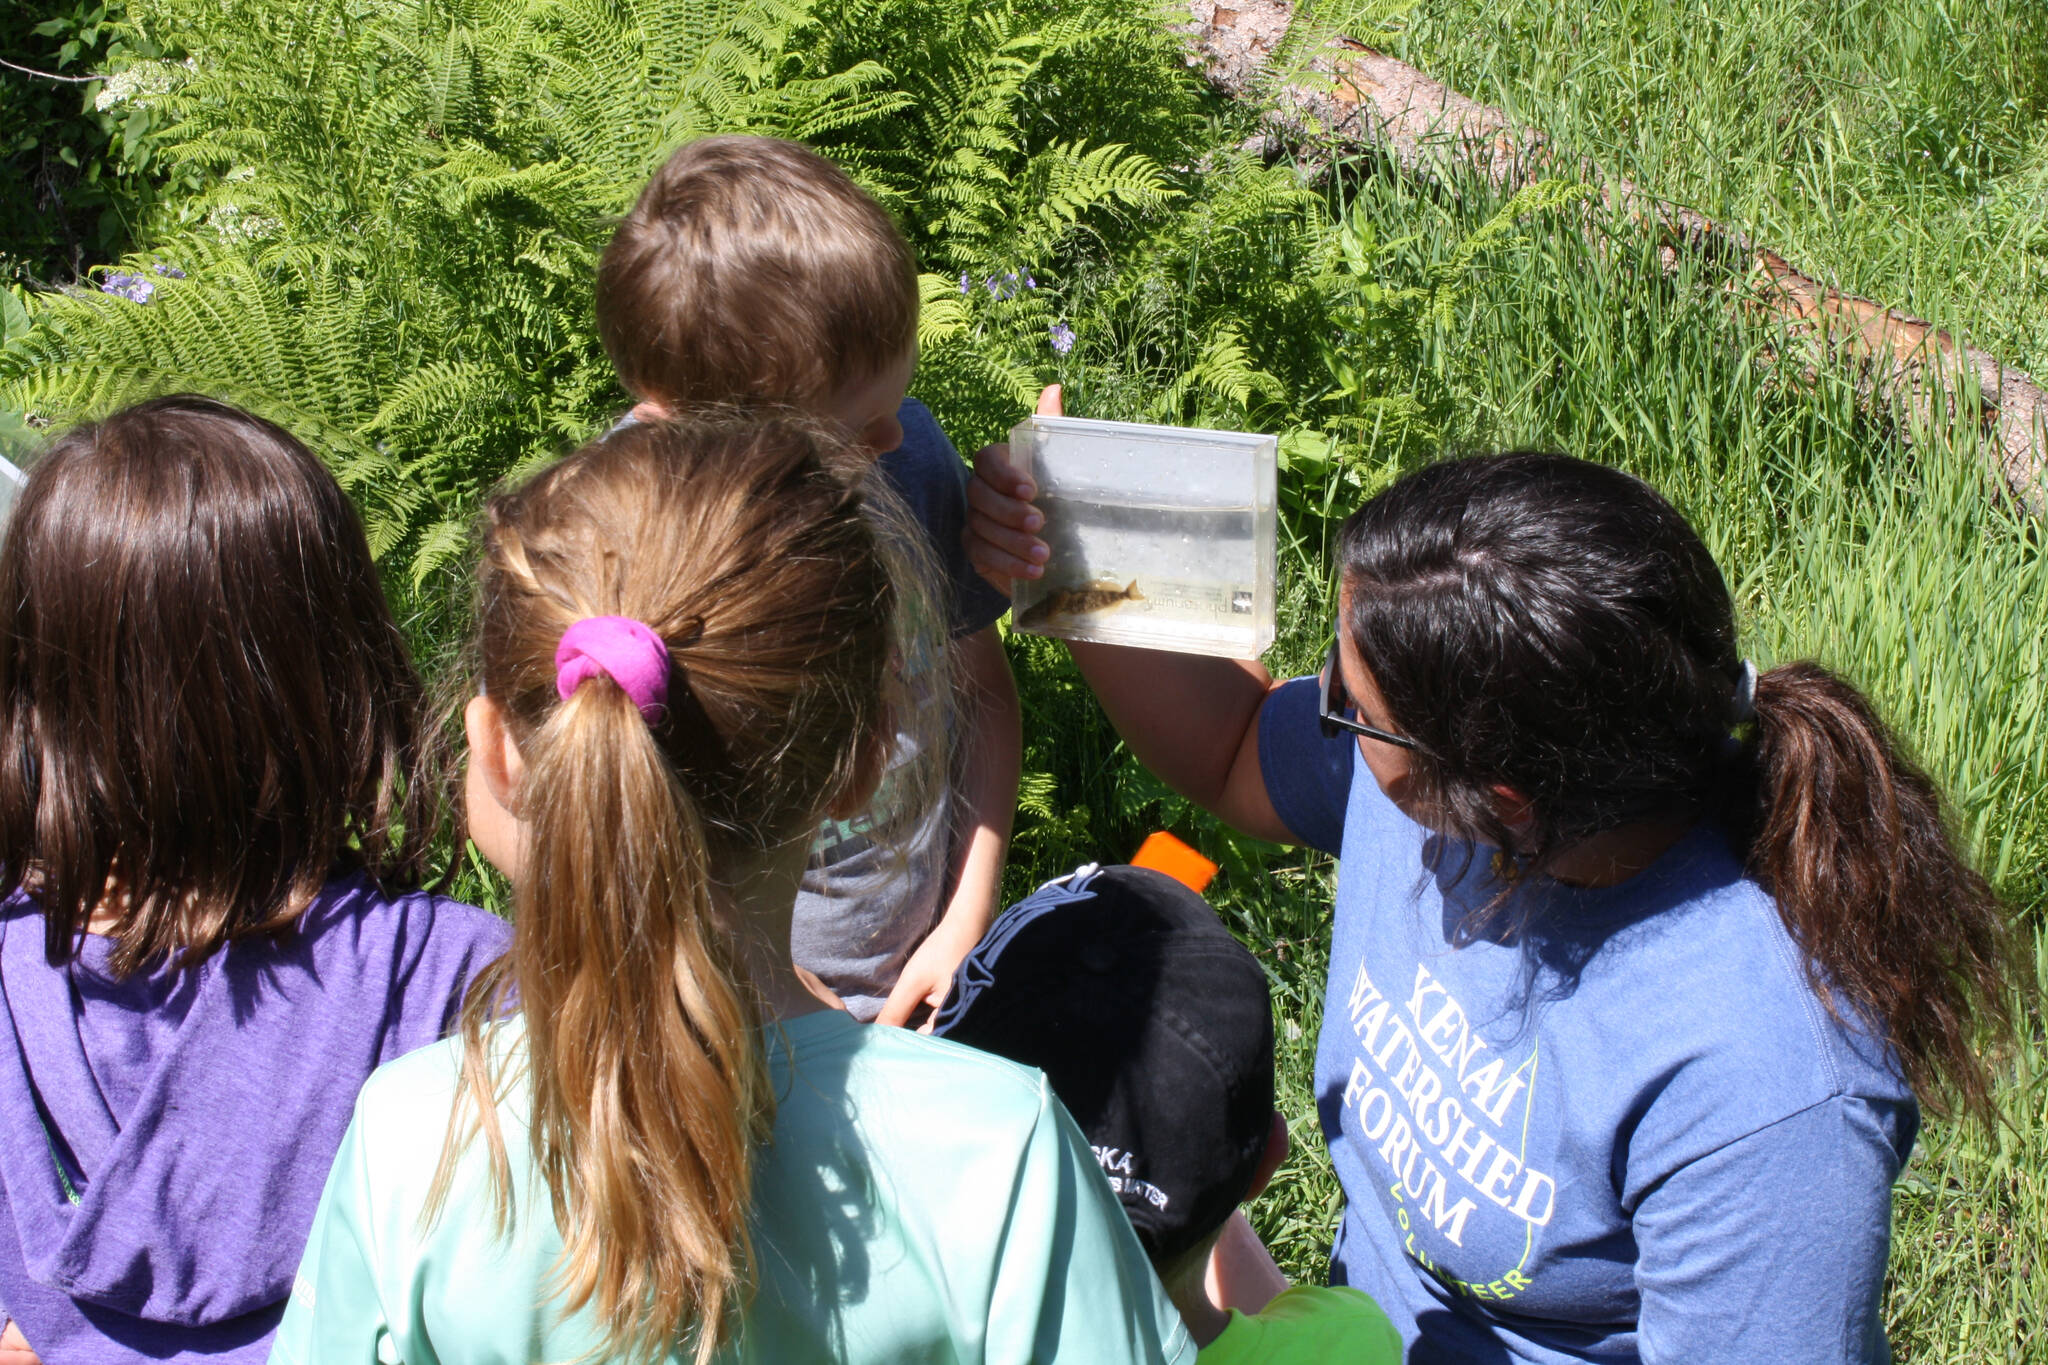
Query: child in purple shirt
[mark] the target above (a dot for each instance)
(213, 803)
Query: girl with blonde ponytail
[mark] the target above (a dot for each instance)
(652, 1141)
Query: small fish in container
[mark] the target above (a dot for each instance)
(1161, 537)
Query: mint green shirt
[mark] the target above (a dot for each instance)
(921, 1201)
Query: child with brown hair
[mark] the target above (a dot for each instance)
(213, 813)
(753, 271)
(652, 1141)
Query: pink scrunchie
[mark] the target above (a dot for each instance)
(622, 649)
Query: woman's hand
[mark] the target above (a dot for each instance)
(1002, 525)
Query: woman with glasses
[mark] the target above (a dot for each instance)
(1640, 957)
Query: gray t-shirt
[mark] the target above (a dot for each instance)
(865, 906)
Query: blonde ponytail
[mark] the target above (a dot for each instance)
(753, 561)
(653, 1091)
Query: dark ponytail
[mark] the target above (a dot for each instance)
(1849, 836)
(1555, 626)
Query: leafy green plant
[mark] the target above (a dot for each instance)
(1398, 377)
(78, 165)
(401, 204)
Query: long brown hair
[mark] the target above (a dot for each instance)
(206, 709)
(1556, 626)
(745, 545)
(753, 270)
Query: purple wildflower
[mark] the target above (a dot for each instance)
(1062, 337)
(963, 282)
(168, 271)
(122, 284)
(989, 283)
(1030, 283)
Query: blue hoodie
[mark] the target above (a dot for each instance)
(164, 1139)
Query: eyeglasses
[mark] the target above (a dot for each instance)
(1330, 700)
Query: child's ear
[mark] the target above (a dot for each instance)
(1275, 1155)
(492, 753)
(491, 785)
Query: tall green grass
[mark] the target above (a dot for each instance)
(1897, 147)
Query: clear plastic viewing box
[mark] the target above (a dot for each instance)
(11, 480)
(1161, 537)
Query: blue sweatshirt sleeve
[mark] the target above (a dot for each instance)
(927, 473)
(1308, 776)
(1773, 1247)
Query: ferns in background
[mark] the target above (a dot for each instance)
(402, 202)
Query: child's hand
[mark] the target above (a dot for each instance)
(1002, 524)
(928, 977)
(14, 1348)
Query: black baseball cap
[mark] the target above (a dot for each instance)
(1154, 1027)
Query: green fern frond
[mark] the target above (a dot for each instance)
(1226, 371)
(1068, 180)
(436, 391)
(942, 312)
(1035, 795)
(1545, 196)
(439, 544)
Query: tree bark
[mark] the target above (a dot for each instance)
(1363, 97)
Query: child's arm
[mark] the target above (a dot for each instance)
(1241, 1273)
(992, 738)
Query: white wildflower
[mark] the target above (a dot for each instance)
(141, 84)
(236, 224)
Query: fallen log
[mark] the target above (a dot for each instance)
(1357, 95)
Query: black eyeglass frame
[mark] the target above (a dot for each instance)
(1331, 699)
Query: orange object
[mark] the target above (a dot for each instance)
(1163, 853)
